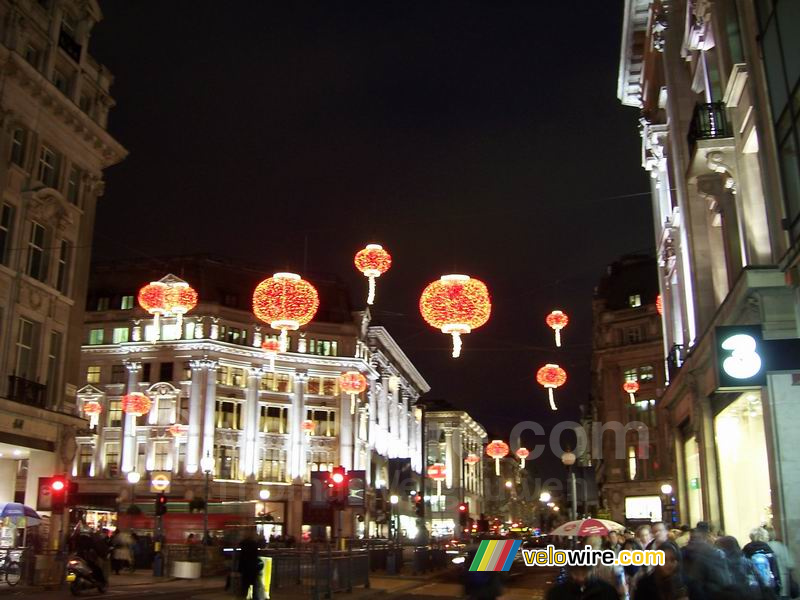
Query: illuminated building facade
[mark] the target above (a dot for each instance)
(627, 347)
(267, 429)
(54, 148)
(717, 87)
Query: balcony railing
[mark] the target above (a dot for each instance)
(709, 122)
(27, 392)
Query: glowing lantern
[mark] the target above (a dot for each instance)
(93, 408)
(152, 298)
(271, 348)
(522, 454)
(352, 383)
(557, 320)
(373, 261)
(177, 430)
(286, 302)
(455, 304)
(659, 305)
(552, 377)
(180, 298)
(438, 472)
(136, 404)
(497, 449)
(631, 387)
(472, 459)
(307, 426)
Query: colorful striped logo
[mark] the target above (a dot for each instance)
(495, 555)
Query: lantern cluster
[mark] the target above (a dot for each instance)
(169, 296)
(136, 404)
(286, 302)
(631, 388)
(352, 383)
(497, 449)
(373, 261)
(551, 377)
(557, 320)
(455, 304)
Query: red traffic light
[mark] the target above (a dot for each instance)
(462, 507)
(58, 485)
(337, 478)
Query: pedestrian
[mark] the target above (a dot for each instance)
(660, 535)
(613, 575)
(704, 566)
(683, 537)
(581, 584)
(612, 542)
(742, 574)
(665, 582)
(248, 563)
(786, 566)
(644, 535)
(763, 558)
(121, 554)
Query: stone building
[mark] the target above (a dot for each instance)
(54, 147)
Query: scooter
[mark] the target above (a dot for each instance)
(80, 577)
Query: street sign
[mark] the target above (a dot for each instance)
(160, 482)
(744, 358)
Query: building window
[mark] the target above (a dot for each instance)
(319, 461)
(276, 382)
(273, 466)
(635, 300)
(62, 275)
(114, 413)
(53, 367)
(37, 265)
(93, 374)
(74, 185)
(630, 375)
(274, 419)
(146, 372)
(120, 335)
(633, 335)
(228, 414)
(226, 461)
(119, 374)
(32, 56)
(166, 371)
(95, 337)
(323, 347)
(48, 167)
(324, 422)
(60, 81)
(6, 230)
(19, 143)
(647, 373)
(112, 459)
(126, 303)
(631, 463)
(27, 349)
(162, 460)
(85, 458)
(103, 303)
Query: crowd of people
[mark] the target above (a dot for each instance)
(698, 565)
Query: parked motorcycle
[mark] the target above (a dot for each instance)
(81, 577)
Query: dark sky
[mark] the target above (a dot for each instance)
(475, 137)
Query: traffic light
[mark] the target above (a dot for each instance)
(161, 505)
(337, 486)
(463, 514)
(419, 505)
(338, 478)
(58, 493)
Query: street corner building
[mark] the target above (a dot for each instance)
(54, 147)
(716, 85)
(269, 425)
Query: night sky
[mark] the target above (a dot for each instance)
(474, 137)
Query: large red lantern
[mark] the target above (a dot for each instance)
(373, 261)
(286, 302)
(352, 383)
(152, 298)
(551, 377)
(307, 426)
(522, 454)
(557, 320)
(456, 304)
(472, 459)
(631, 387)
(659, 305)
(93, 408)
(497, 449)
(136, 404)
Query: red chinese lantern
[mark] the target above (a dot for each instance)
(177, 430)
(551, 377)
(307, 426)
(455, 304)
(438, 472)
(472, 459)
(373, 261)
(286, 302)
(93, 408)
(136, 404)
(271, 348)
(352, 383)
(152, 298)
(631, 387)
(557, 320)
(522, 454)
(180, 298)
(659, 305)
(497, 449)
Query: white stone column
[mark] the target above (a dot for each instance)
(403, 409)
(383, 403)
(372, 402)
(421, 450)
(448, 457)
(297, 449)
(98, 459)
(346, 429)
(8, 478)
(210, 408)
(195, 417)
(129, 421)
(250, 421)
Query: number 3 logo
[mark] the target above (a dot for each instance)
(744, 362)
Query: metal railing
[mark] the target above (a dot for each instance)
(27, 392)
(709, 122)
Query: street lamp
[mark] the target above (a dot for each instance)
(545, 497)
(509, 484)
(393, 500)
(133, 479)
(568, 459)
(666, 489)
(263, 494)
(207, 466)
